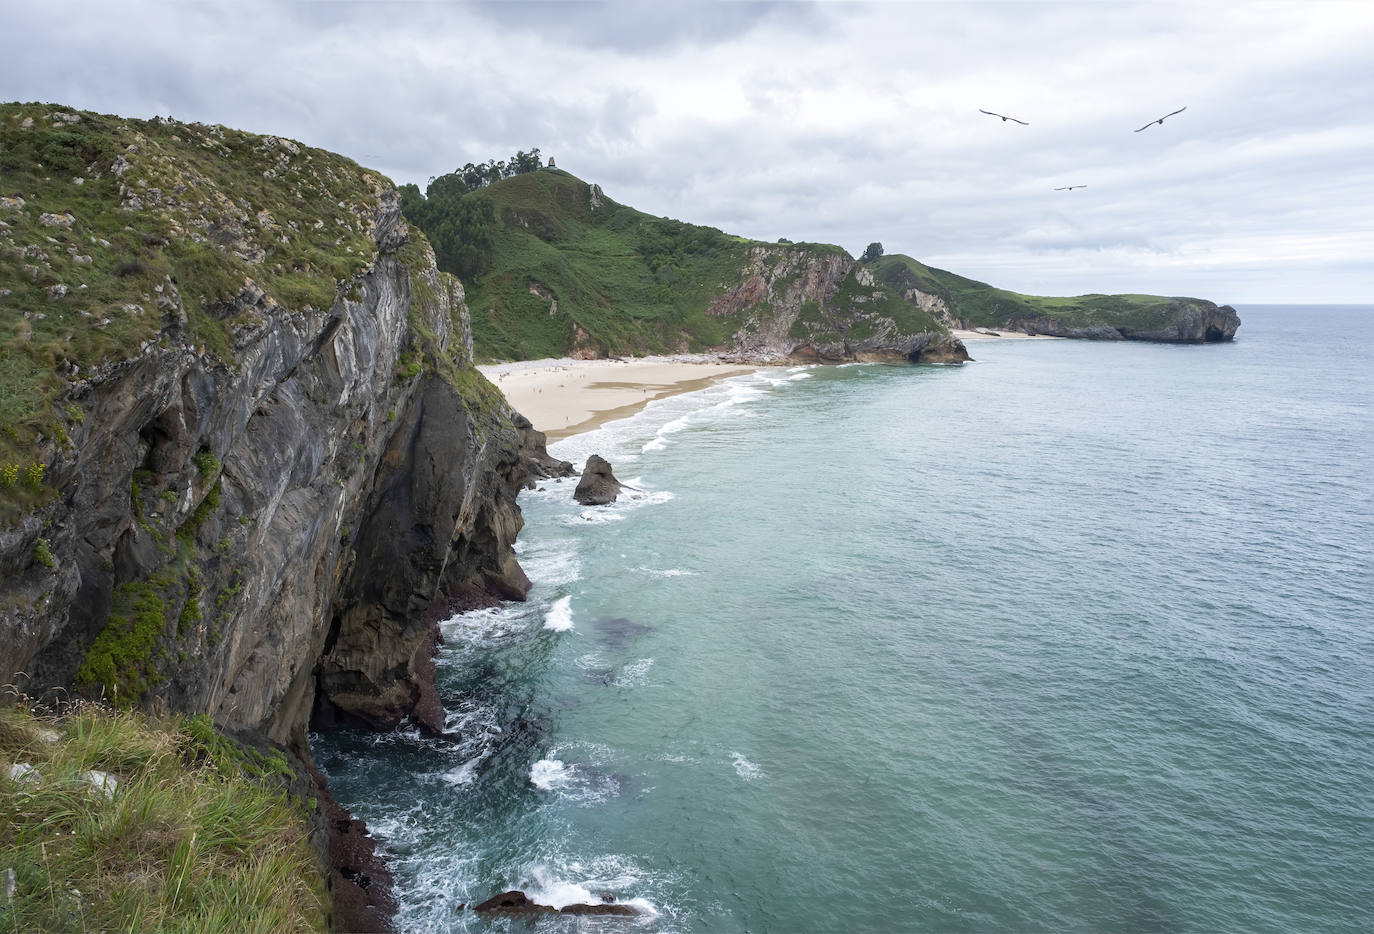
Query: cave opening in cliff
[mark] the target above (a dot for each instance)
(1214, 336)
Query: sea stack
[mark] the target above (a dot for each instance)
(598, 486)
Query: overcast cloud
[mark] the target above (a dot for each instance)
(842, 123)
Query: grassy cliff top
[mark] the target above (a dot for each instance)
(629, 281)
(105, 220)
(984, 305)
(177, 828)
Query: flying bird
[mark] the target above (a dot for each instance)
(1004, 119)
(1161, 120)
(1070, 187)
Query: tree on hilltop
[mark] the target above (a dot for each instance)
(875, 250)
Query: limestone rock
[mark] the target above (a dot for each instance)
(598, 486)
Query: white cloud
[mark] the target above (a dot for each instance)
(837, 122)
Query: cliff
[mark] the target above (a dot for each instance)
(567, 271)
(247, 461)
(961, 302)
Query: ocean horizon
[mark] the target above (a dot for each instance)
(1075, 637)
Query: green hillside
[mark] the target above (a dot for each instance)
(977, 304)
(624, 281)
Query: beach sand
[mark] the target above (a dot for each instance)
(1001, 335)
(565, 397)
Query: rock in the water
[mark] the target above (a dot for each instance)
(598, 486)
(516, 902)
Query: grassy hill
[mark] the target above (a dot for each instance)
(557, 268)
(976, 304)
(623, 281)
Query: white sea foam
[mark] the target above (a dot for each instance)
(560, 617)
(576, 883)
(582, 783)
(590, 660)
(551, 774)
(634, 674)
(744, 768)
(488, 627)
(666, 572)
(462, 774)
(796, 376)
(599, 516)
(553, 564)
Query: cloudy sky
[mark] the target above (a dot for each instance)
(837, 122)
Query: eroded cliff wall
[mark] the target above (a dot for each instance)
(257, 500)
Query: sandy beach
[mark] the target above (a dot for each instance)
(1001, 335)
(565, 397)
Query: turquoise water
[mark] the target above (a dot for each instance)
(1073, 638)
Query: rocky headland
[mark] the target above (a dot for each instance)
(254, 463)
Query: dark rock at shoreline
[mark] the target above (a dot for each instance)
(516, 902)
(535, 458)
(598, 486)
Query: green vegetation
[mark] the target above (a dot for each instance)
(196, 834)
(109, 225)
(872, 252)
(982, 305)
(120, 663)
(622, 281)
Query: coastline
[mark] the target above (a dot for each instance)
(563, 397)
(965, 335)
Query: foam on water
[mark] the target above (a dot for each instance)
(588, 884)
(634, 674)
(560, 617)
(550, 774)
(744, 768)
(462, 774)
(581, 783)
(486, 628)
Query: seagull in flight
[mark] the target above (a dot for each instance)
(1004, 119)
(1161, 120)
(1070, 187)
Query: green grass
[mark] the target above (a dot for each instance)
(197, 836)
(146, 208)
(633, 283)
(983, 305)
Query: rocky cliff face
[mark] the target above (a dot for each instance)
(801, 302)
(259, 540)
(1186, 321)
(267, 463)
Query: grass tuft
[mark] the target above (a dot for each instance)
(185, 842)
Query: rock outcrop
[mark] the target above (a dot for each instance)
(259, 503)
(807, 303)
(539, 463)
(597, 486)
(1184, 321)
(959, 302)
(516, 903)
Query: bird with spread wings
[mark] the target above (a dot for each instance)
(1004, 119)
(1161, 120)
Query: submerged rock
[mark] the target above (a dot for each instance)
(516, 902)
(598, 486)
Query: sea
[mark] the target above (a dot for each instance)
(1077, 637)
